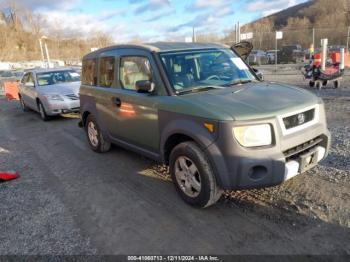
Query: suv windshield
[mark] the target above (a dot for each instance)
(56, 77)
(203, 68)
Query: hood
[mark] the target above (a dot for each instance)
(61, 89)
(254, 100)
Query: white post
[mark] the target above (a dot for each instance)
(342, 59)
(313, 37)
(47, 56)
(276, 51)
(324, 43)
(236, 34)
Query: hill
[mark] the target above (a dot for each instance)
(328, 19)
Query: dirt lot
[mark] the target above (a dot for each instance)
(70, 200)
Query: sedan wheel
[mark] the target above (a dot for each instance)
(23, 105)
(42, 112)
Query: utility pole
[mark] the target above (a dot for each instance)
(313, 37)
(347, 40)
(42, 52)
(194, 36)
(239, 32)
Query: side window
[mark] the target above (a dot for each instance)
(89, 76)
(25, 78)
(133, 69)
(106, 71)
(30, 78)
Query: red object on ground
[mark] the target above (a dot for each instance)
(7, 176)
(11, 90)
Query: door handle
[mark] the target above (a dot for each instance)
(117, 101)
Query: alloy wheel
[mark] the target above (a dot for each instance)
(187, 176)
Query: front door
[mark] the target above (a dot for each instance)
(136, 113)
(28, 91)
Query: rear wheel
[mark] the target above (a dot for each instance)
(324, 83)
(95, 137)
(42, 112)
(336, 84)
(312, 84)
(318, 85)
(193, 175)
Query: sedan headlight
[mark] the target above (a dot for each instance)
(252, 136)
(54, 97)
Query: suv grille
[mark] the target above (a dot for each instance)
(298, 119)
(296, 151)
(72, 97)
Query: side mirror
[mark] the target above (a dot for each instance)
(29, 84)
(259, 74)
(144, 86)
(243, 49)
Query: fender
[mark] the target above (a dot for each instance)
(174, 123)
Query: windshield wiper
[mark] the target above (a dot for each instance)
(239, 82)
(197, 89)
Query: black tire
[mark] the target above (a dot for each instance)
(101, 145)
(318, 85)
(42, 112)
(324, 83)
(336, 84)
(312, 83)
(209, 192)
(23, 105)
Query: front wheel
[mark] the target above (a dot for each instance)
(23, 105)
(42, 112)
(193, 175)
(95, 137)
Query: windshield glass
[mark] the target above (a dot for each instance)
(57, 77)
(193, 69)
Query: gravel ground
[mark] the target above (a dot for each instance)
(70, 200)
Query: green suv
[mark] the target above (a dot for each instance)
(200, 109)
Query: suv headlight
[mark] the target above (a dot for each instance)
(54, 97)
(252, 136)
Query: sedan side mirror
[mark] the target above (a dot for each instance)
(144, 86)
(259, 74)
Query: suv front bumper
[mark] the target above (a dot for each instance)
(243, 168)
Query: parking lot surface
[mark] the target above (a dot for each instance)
(70, 200)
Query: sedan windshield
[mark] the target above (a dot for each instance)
(57, 77)
(188, 70)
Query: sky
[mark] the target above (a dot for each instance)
(152, 20)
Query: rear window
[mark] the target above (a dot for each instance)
(89, 73)
(106, 71)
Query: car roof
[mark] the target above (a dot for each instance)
(159, 47)
(44, 70)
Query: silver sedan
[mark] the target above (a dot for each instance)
(50, 91)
